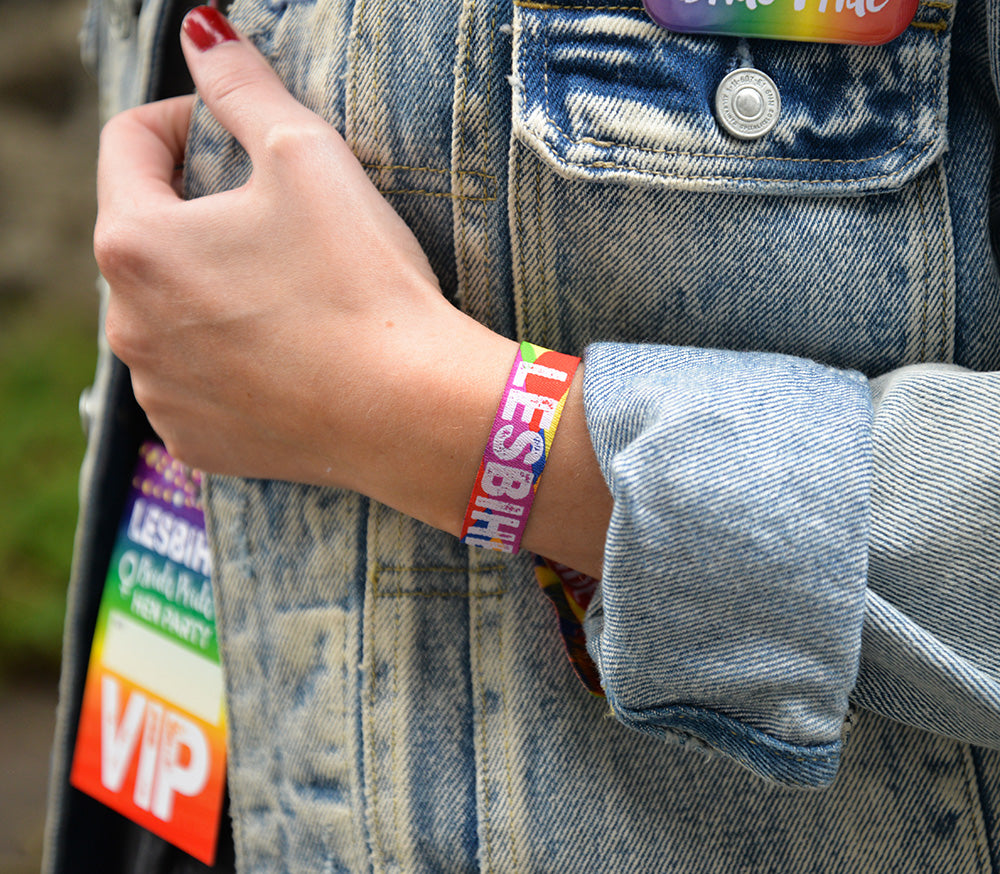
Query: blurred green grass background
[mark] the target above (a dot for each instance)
(48, 320)
(46, 354)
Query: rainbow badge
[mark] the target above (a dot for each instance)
(857, 22)
(151, 740)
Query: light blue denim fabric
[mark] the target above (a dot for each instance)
(805, 507)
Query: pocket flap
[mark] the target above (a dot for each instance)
(602, 91)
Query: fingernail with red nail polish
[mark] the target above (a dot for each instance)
(207, 27)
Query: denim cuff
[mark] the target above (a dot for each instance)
(733, 590)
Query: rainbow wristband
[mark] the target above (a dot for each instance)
(518, 448)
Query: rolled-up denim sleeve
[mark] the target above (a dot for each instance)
(737, 607)
(930, 646)
(731, 604)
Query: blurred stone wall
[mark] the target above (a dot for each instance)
(48, 146)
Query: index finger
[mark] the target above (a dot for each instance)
(140, 151)
(235, 81)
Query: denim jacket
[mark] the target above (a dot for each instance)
(788, 350)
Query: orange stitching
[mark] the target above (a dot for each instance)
(448, 194)
(370, 165)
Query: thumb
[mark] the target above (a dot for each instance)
(235, 81)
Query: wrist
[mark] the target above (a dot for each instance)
(428, 416)
(431, 410)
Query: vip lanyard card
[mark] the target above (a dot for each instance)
(151, 740)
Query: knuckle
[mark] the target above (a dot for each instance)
(124, 336)
(118, 335)
(115, 126)
(117, 249)
(175, 447)
(293, 142)
(143, 394)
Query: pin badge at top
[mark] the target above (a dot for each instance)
(856, 22)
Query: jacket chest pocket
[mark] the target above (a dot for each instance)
(636, 217)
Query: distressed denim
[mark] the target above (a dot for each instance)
(788, 351)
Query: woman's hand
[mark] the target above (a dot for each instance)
(261, 324)
(292, 328)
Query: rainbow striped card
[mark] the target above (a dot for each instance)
(152, 737)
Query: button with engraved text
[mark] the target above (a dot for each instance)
(747, 103)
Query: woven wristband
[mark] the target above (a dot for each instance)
(518, 448)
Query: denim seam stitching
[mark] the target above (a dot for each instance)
(927, 282)
(375, 166)
(446, 194)
(378, 843)
(379, 513)
(538, 207)
(463, 114)
(237, 813)
(395, 768)
(517, 245)
(431, 569)
(354, 62)
(472, 596)
(976, 824)
(792, 757)
(487, 245)
(942, 204)
(487, 180)
(547, 7)
(543, 280)
(511, 832)
(376, 89)
(481, 720)
(677, 152)
(591, 141)
(610, 165)
(350, 720)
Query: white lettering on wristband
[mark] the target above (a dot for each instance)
(518, 447)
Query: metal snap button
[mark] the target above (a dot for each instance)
(747, 103)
